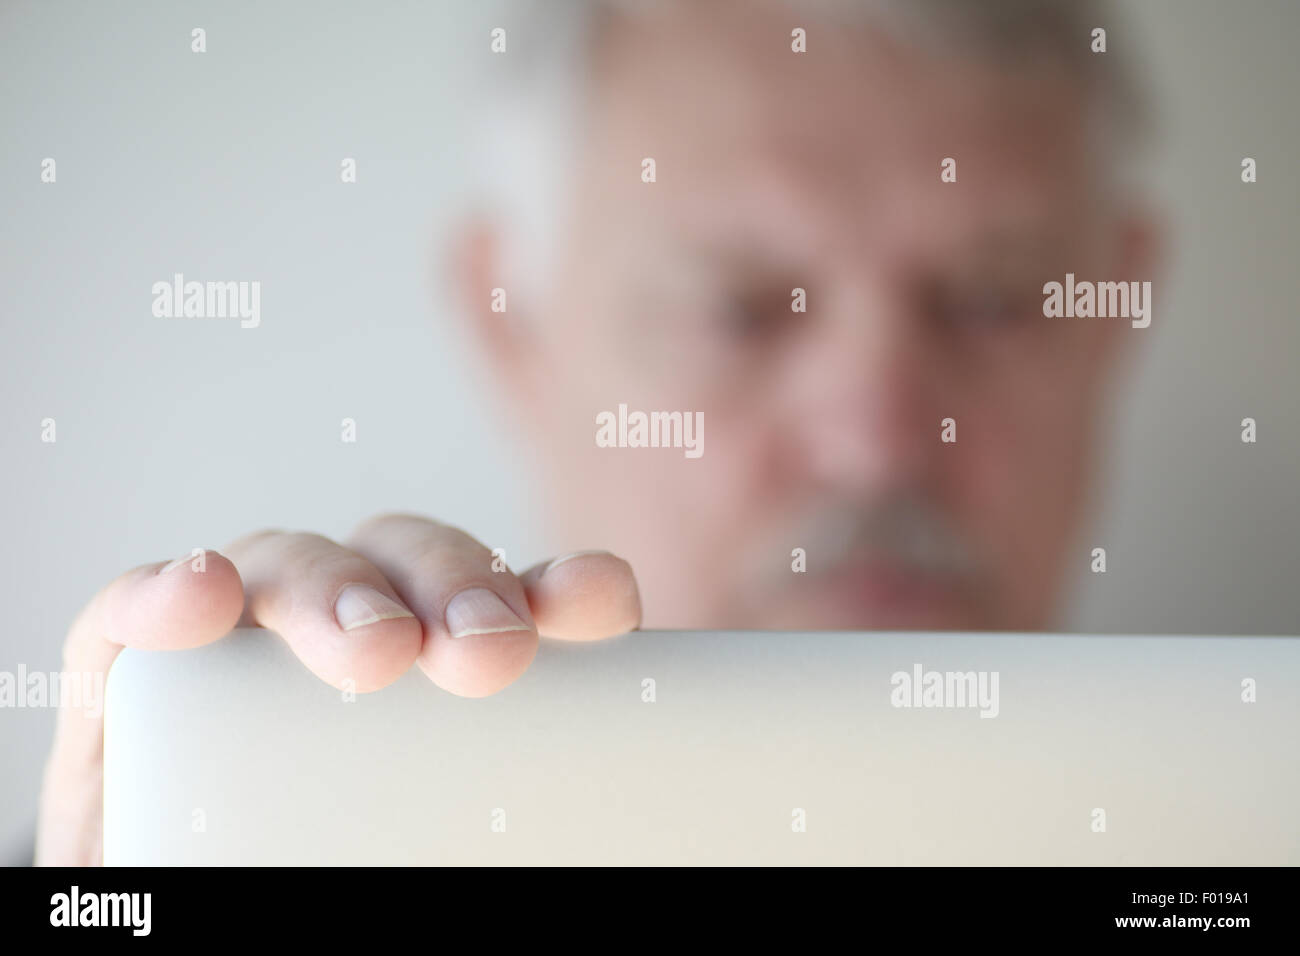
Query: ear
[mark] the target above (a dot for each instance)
(1139, 257)
(495, 327)
(1141, 247)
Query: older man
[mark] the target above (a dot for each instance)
(819, 231)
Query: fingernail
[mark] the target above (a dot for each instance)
(477, 611)
(569, 557)
(359, 604)
(182, 560)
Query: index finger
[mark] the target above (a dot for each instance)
(188, 602)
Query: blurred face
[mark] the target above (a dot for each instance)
(822, 429)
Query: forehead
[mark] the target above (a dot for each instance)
(848, 136)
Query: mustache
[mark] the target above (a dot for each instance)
(909, 532)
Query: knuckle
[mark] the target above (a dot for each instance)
(243, 542)
(304, 545)
(388, 520)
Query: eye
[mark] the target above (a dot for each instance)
(980, 308)
(752, 318)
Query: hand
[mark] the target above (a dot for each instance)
(404, 590)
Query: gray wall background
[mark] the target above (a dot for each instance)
(174, 435)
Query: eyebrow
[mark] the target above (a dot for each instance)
(737, 249)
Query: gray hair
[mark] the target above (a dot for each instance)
(534, 106)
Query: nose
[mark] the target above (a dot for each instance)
(863, 390)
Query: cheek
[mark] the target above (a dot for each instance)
(679, 520)
(1021, 468)
(685, 525)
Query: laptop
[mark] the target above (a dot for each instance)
(720, 748)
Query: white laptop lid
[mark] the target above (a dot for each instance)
(720, 748)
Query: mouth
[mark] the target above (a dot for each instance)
(876, 594)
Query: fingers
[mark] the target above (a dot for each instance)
(479, 631)
(583, 596)
(167, 605)
(334, 609)
(411, 589)
(163, 606)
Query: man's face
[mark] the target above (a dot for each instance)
(778, 171)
